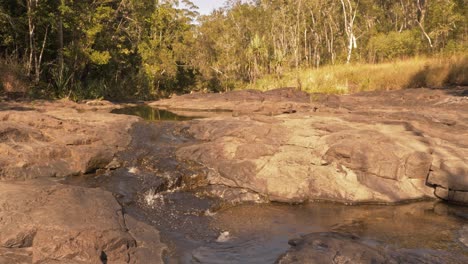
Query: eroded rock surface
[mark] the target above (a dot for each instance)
(41, 222)
(58, 139)
(295, 159)
(371, 147)
(340, 248)
(280, 146)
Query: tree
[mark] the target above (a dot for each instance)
(349, 16)
(151, 48)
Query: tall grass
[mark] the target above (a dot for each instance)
(351, 78)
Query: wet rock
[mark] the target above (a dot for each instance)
(344, 248)
(55, 140)
(332, 248)
(232, 196)
(42, 222)
(149, 249)
(113, 165)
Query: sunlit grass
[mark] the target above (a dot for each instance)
(343, 79)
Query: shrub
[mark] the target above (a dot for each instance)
(385, 47)
(12, 79)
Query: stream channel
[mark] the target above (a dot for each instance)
(153, 186)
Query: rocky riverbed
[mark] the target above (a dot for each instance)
(371, 147)
(79, 184)
(42, 221)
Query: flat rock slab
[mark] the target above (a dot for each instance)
(370, 147)
(273, 102)
(47, 139)
(43, 222)
(303, 158)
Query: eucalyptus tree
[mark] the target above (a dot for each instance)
(148, 48)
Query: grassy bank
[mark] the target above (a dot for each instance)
(344, 79)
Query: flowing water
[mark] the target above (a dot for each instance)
(155, 187)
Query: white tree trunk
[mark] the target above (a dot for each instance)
(349, 15)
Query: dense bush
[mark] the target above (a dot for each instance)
(394, 45)
(145, 49)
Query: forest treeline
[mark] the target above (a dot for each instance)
(144, 49)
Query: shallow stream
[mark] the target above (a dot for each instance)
(154, 186)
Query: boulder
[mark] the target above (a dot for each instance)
(43, 222)
(56, 140)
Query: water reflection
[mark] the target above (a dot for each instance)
(151, 114)
(260, 232)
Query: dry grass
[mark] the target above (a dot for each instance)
(12, 79)
(344, 79)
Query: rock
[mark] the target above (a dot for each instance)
(54, 140)
(418, 165)
(149, 248)
(232, 196)
(113, 165)
(464, 236)
(294, 159)
(46, 222)
(344, 248)
(369, 147)
(98, 103)
(274, 102)
(43, 222)
(450, 180)
(451, 195)
(15, 256)
(332, 248)
(438, 115)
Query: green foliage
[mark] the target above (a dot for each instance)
(248, 41)
(394, 45)
(146, 49)
(60, 80)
